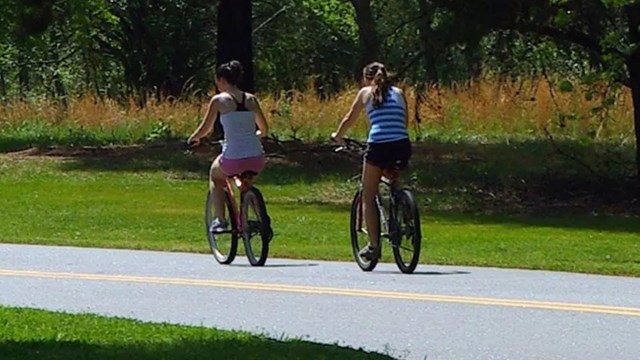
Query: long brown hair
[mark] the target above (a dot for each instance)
(377, 73)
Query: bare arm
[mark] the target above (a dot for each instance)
(406, 108)
(261, 121)
(352, 115)
(207, 122)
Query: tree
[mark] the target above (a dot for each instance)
(367, 35)
(234, 37)
(607, 30)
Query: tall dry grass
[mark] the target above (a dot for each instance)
(483, 110)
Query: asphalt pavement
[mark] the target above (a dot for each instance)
(440, 312)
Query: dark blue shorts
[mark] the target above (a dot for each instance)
(392, 155)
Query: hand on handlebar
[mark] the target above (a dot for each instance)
(193, 142)
(337, 139)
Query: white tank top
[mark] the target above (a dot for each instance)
(240, 139)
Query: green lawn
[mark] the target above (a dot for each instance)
(35, 334)
(156, 202)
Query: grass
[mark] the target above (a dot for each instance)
(35, 334)
(472, 213)
(483, 111)
(493, 189)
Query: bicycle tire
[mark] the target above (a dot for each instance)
(408, 220)
(259, 224)
(215, 240)
(356, 228)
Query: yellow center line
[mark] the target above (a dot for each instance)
(301, 289)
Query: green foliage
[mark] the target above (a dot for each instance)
(303, 40)
(161, 131)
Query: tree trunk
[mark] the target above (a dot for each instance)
(234, 38)
(634, 71)
(3, 86)
(633, 66)
(431, 47)
(367, 35)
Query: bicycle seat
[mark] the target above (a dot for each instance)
(244, 175)
(391, 174)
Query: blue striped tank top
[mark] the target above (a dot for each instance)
(388, 119)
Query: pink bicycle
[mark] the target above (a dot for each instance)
(250, 221)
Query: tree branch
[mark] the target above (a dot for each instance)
(271, 18)
(403, 24)
(408, 65)
(568, 155)
(578, 38)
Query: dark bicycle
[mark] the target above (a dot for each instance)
(398, 215)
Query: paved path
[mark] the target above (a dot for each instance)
(438, 313)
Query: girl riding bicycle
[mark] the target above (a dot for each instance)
(388, 145)
(242, 150)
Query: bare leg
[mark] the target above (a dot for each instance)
(370, 180)
(217, 183)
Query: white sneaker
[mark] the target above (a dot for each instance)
(218, 226)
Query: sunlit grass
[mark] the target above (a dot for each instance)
(36, 334)
(67, 202)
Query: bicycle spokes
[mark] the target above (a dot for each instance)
(406, 247)
(223, 244)
(255, 227)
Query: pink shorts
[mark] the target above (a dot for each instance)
(237, 166)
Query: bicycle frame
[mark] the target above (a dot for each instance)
(242, 186)
(385, 223)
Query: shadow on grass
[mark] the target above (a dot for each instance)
(529, 177)
(602, 223)
(306, 163)
(179, 350)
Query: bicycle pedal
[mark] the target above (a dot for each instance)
(221, 232)
(268, 234)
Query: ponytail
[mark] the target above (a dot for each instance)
(376, 73)
(232, 72)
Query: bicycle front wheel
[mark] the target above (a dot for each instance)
(408, 236)
(359, 235)
(224, 245)
(256, 227)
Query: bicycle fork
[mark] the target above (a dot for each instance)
(385, 228)
(234, 205)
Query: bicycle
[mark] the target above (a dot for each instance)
(401, 229)
(250, 220)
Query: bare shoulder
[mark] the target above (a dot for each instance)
(221, 98)
(223, 102)
(365, 94)
(365, 90)
(251, 102)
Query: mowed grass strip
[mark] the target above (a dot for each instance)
(143, 206)
(29, 334)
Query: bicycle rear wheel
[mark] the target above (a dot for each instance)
(359, 236)
(256, 227)
(407, 237)
(224, 245)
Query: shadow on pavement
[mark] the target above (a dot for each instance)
(433, 273)
(276, 265)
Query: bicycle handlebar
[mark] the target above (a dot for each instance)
(350, 144)
(190, 146)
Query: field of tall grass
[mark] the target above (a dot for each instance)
(482, 111)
